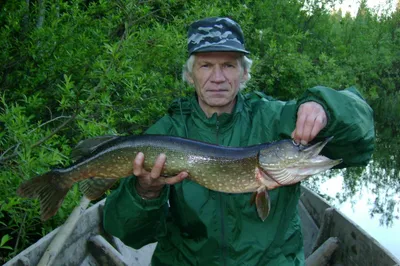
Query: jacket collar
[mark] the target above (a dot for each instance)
(224, 120)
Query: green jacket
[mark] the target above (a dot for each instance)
(198, 226)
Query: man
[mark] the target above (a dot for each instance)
(196, 226)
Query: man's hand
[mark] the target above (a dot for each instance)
(311, 119)
(149, 184)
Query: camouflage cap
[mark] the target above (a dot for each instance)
(215, 35)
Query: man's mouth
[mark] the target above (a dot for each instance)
(217, 90)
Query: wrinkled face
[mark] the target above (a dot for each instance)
(216, 77)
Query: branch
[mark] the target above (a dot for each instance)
(15, 153)
(42, 10)
(19, 234)
(57, 129)
(25, 19)
(51, 120)
(15, 150)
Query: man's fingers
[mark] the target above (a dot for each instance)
(319, 124)
(158, 166)
(311, 119)
(138, 164)
(175, 179)
(154, 181)
(307, 129)
(298, 131)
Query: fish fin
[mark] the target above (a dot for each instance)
(87, 146)
(94, 188)
(263, 203)
(48, 189)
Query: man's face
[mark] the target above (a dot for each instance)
(216, 77)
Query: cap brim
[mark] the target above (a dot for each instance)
(219, 48)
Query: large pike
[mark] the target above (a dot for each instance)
(257, 168)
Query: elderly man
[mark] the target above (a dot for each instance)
(196, 226)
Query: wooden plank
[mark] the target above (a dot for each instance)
(309, 230)
(314, 204)
(357, 246)
(75, 251)
(325, 228)
(360, 248)
(322, 255)
(58, 242)
(104, 253)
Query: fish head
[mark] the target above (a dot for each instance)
(288, 163)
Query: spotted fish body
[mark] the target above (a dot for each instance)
(256, 168)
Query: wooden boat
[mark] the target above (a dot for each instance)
(324, 228)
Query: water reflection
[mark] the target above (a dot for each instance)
(372, 180)
(358, 209)
(374, 189)
(382, 175)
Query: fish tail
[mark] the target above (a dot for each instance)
(50, 188)
(263, 202)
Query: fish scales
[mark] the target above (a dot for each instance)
(118, 158)
(214, 172)
(257, 168)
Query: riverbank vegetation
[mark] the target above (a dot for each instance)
(71, 70)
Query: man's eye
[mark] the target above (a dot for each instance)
(205, 65)
(229, 66)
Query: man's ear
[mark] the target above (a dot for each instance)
(245, 75)
(189, 78)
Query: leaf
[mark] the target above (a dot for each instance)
(4, 240)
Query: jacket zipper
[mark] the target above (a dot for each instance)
(223, 244)
(222, 210)
(217, 131)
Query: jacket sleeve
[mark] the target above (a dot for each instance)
(350, 122)
(134, 220)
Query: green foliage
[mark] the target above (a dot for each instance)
(77, 69)
(3, 242)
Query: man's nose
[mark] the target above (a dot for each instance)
(218, 74)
